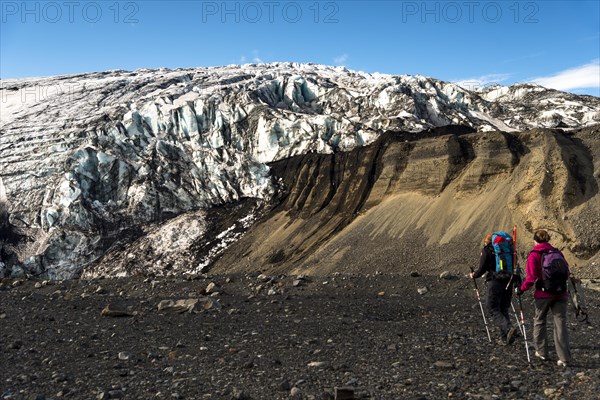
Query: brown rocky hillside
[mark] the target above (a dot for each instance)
(424, 202)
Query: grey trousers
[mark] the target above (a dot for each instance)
(558, 306)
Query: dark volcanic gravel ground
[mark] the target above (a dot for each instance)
(267, 339)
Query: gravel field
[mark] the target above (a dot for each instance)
(274, 337)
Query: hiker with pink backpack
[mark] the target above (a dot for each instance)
(548, 270)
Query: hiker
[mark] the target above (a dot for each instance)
(547, 299)
(499, 295)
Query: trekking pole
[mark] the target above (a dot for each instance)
(524, 334)
(517, 274)
(578, 301)
(481, 306)
(521, 328)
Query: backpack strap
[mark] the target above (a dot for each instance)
(539, 251)
(539, 272)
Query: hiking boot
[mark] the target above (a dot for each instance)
(518, 332)
(501, 341)
(541, 357)
(511, 335)
(562, 363)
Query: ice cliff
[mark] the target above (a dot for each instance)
(89, 160)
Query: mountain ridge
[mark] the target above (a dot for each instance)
(85, 157)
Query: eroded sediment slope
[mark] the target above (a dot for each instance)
(426, 204)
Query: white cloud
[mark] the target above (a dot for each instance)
(584, 76)
(481, 81)
(341, 60)
(256, 58)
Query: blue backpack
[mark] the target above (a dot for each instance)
(502, 243)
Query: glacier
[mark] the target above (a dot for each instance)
(88, 158)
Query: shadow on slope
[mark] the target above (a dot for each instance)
(423, 202)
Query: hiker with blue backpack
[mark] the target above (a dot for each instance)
(548, 270)
(496, 262)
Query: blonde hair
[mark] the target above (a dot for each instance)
(487, 239)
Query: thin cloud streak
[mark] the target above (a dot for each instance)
(341, 60)
(583, 76)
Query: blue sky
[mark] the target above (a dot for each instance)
(555, 43)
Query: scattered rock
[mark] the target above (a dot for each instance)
(209, 304)
(111, 311)
(318, 364)
(211, 288)
(433, 350)
(344, 393)
(447, 275)
(422, 290)
(443, 365)
(299, 281)
(177, 306)
(240, 395)
(16, 345)
(191, 277)
(284, 386)
(116, 394)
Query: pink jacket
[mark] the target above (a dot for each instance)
(534, 271)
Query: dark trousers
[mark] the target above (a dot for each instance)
(498, 302)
